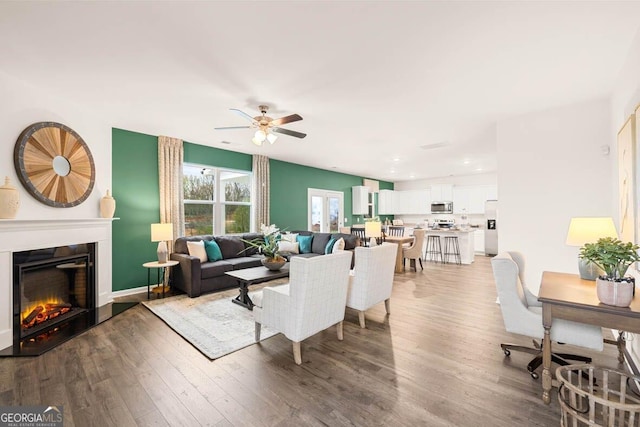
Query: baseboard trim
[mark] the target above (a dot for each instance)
(127, 292)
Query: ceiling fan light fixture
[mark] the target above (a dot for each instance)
(271, 138)
(256, 141)
(260, 135)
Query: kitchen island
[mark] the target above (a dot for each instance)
(465, 241)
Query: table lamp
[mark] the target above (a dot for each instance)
(161, 233)
(589, 230)
(373, 230)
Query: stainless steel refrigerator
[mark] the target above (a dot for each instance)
(491, 231)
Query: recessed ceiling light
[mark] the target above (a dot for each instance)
(396, 159)
(392, 171)
(466, 162)
(478, 169)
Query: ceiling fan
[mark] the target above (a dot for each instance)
(267, 126)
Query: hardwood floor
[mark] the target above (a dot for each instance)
(435, 361)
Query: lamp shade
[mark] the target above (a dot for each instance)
(161, 232)
(589, 230)
(373, 229)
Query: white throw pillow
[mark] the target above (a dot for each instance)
(286, 246)
(338, 246)
(290, 237)
(196, 249)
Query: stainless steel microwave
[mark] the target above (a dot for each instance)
(442, 207)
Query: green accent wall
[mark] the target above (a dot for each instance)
(201, 154)
(289, 184)
(134, 158)
(136, 190)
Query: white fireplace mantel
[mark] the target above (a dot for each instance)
(21, 235)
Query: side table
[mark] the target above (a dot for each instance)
(161, 267)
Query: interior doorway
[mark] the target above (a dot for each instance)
(325, 210)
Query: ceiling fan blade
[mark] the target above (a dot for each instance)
(289, 132)
(286, 119)
(242, 113)
(233, 127)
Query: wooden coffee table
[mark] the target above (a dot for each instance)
(251, 276)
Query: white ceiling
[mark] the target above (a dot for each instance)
(374, 81)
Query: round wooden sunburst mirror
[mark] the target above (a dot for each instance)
(54, 164)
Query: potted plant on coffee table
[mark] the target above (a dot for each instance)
(614, 257)
(269, 247)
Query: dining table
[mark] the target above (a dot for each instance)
(399, 240)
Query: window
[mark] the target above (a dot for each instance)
(216, 201)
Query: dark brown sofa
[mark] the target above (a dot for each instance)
(320, 240)
(196, 278)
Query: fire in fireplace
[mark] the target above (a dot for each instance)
(50, 287)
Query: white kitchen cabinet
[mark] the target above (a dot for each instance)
(360, 200)
(402, 201)
(460, 199)
(472, 198)
(412, 202)
(492, 192)
(481, 194)
(441, 192)
(386, 202)
(479, 241)
(419, 202)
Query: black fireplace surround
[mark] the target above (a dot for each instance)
(54, 298)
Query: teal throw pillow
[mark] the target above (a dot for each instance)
(305, 244)
(213, 250)
(329, 248)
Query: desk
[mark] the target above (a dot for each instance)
(566, 296)
(399, 241)
(161, 267)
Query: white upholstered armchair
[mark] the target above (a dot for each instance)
(313, 300)
(372, 278)
(522, 314)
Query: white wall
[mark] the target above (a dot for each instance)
(624, 100)
(551, 168)
(23, 105)
(477, 179)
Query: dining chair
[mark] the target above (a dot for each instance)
(395, 230)
(360, 233)
(414, 252)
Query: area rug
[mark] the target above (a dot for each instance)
(211, 323)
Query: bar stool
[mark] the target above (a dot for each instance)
(451, 247)
(434, 249)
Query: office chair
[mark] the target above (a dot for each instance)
(522, 314)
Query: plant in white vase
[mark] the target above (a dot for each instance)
(614, 257)
(269, 246)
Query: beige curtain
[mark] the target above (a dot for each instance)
(170, 159)
(261, 193)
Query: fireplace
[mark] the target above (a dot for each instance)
(50, 287)
(24, 241)
(53, 291)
